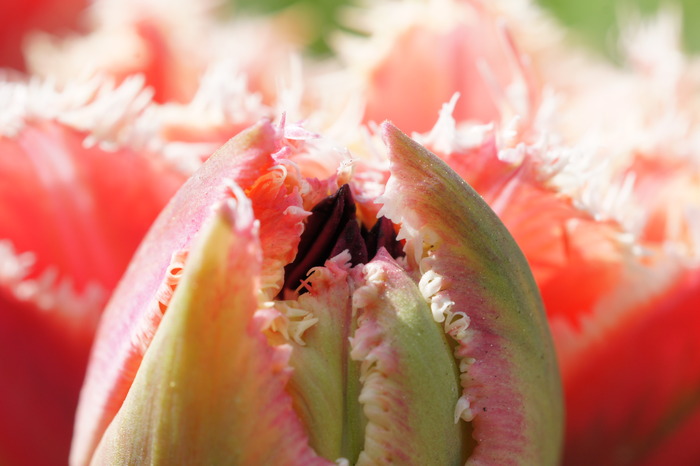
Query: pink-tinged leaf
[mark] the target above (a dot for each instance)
(116, 355)
(479, 283)
(210, 390)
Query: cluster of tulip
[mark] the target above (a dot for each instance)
(217, 249)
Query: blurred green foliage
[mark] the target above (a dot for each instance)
(595, 21)
(324, 14)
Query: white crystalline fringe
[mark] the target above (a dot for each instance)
(95, 105)
(291, 321)
(14, 267)
(49, 292)
(375, 278)
(142, 338)
(237, 208)
(124, 115)
(692, 216)
(446, 138)
(580, 172)
(419, 246)
(366, 344)
(288, 318)
(430, 285)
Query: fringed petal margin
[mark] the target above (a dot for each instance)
(115, 358)
(482, 286)
(410, 380)
(210, 389)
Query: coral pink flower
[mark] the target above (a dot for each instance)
(173, 45)
(86, 167)
(598, 184)
(261, 322)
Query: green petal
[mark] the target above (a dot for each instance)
(410, 379)
(210, 390)
(479, 282)
(325, 384)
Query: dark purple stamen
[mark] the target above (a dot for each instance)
(322, 227)
(351, 239)
(332, 228)
(382, 235)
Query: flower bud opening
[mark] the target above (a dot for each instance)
(332, 228)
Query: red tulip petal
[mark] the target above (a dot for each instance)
(634, 393)
(19, 19)
(79, 212)
(42, 363)
(80, 209)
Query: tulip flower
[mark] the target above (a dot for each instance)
(604, 205)
(86, 166)
(267, 318)
(434, 49)
(71, 216)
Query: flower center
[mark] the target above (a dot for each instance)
(332, 228)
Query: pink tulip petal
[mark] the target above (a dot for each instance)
(509, 375)
(278, 206)
(209, 389)
(115, 359)
(439, 50)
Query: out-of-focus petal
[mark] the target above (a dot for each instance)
(19, 19)
(420, 53)
(71, 216)
(171, 45)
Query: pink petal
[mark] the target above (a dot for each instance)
(115, 358)
(209, 389)
(509, 374)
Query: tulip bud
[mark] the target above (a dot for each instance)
(266, 320)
